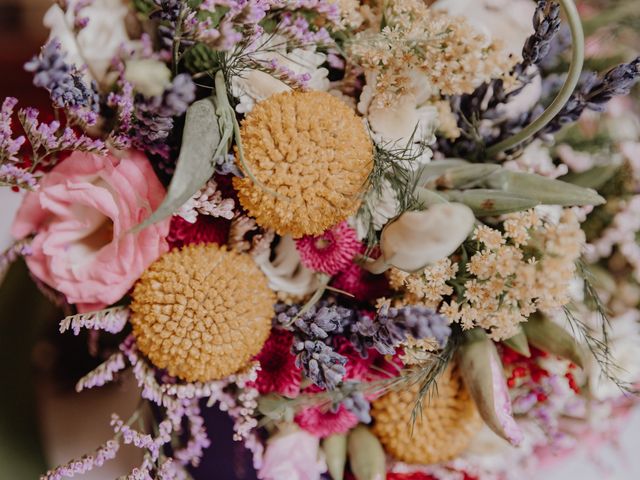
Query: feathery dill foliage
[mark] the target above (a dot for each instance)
(428, 373)
(598, 347)
(393, 166)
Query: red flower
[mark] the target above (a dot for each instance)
(206, 229)
(322, 422)
(278, 371)
(331, 252)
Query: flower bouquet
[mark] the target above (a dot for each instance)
(363, 229)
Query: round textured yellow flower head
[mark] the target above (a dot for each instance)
(202, 312)
(448, 422)
(311, 156)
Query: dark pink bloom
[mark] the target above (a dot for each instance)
(322, 422)
(331, 252)
(278, 371)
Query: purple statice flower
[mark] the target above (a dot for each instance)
(286, 75)
(15, 176)
(392, 326)
(123, 103)
(131, 436)
(110, 320)
(300, 31)
(199, 441)
(63, 81)
(85, 464)
(20, 248)
(103, 374)
(9, 146)
(49, 138)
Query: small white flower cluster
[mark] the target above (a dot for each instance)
(208, 201)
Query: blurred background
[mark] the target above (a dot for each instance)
(44, 422)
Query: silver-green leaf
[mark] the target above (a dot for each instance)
(196, 165)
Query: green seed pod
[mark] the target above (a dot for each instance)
(550, 337)
(519, 343)
(335, 452)
(366, 455)
(483, 376)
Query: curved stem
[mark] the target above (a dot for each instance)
(575, 69)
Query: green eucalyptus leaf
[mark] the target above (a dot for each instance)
(546, 191)
(195, 166)
(485, 202)
(594, 178)
(435, 168)
(427, 197)
(366, 455)
(519, 343)
(464, 176)
(335, 452)
(548, 336)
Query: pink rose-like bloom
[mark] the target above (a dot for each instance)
(292, 456)
(81, 217)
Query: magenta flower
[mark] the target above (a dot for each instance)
(278, 371)
(331, 252)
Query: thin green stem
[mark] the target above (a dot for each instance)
(575, 69)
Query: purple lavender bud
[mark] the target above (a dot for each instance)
(63, 81)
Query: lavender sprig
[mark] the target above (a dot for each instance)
(393, 326)
(154, 116)
(594, 93)
(313, 332)
(546, 23)
(64, 82)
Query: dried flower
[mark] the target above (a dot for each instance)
(323, 421)
(443, 429)
(278, 370)
(330, 252)
(63, 81)
(394, 326)
(190, 320)
(207, 201)
(311, 156)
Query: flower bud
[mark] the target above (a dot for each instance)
(417, 239)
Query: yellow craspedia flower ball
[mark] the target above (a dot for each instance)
(448, 423)
(314, 152)
(202, 312)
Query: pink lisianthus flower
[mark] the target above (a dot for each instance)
(293, 455)
(81, 218)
